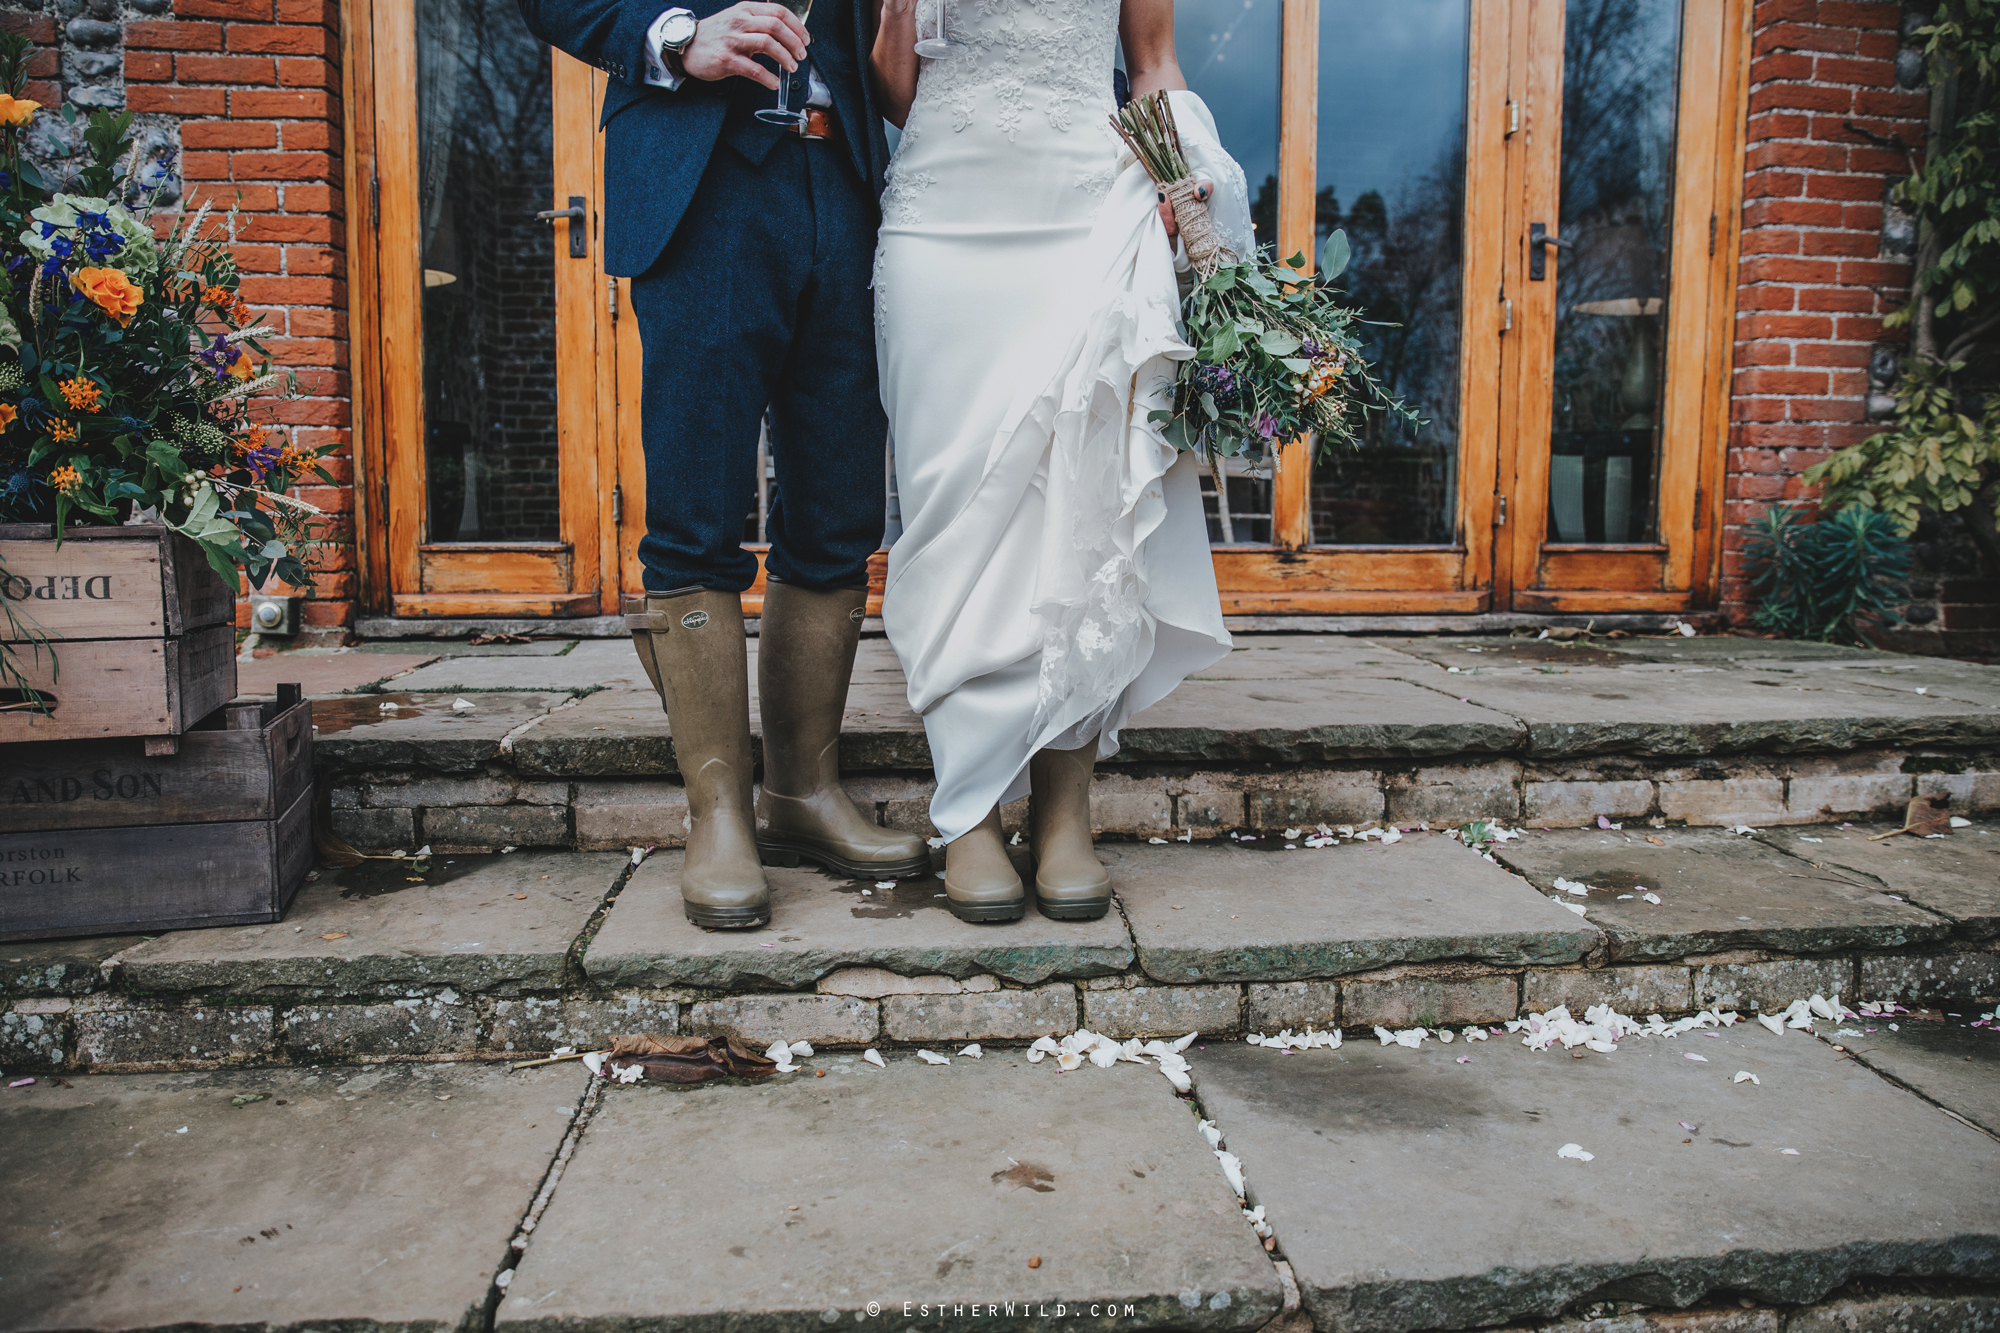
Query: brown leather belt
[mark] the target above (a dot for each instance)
(818, 124)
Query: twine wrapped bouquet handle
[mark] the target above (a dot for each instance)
(1146, 124)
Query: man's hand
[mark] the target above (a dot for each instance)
(725, 41)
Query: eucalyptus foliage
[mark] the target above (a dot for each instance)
(1942, 450)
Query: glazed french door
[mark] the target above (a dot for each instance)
(1619, 278)
(486, 335)
(1573, 405)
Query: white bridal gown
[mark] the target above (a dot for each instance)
(1053, 576)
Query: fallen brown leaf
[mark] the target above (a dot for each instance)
(1034, 1261)
(336, 935)
(1657, 842)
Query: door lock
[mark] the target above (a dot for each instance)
(1539, 242)
(578, 217)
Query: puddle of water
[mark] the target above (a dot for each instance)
(364, 710)
(378, 879)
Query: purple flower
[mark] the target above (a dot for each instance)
(1267, 425)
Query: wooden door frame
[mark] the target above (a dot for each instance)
(1293, 576)
(1677, 571)
(401, 572)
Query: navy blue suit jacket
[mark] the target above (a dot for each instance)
(657, 143)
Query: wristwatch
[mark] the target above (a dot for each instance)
(676, 34)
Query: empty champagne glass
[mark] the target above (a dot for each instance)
(784, 113)
(937, 45)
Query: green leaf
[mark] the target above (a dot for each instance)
(1333, 255)
(1278, 342)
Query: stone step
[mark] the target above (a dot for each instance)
(571, 750)
(1401, 1190)
(519, 954)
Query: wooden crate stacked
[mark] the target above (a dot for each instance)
(140, 633)
(142, 799)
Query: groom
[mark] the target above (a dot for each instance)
(749, 247)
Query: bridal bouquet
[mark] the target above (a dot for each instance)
(130, 368)
(1276, 354)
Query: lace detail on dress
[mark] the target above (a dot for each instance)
(1054, 56)
(1104, 467)
(899, 199)
(1096, 183)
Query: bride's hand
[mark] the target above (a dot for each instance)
(1202, 190)
(725, 41)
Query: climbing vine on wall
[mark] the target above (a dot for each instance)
(1941, 451)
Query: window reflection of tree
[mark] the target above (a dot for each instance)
(486, 161)
(1400, 486)
(1619, 80)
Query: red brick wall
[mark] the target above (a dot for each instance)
(1819, 272)
(251, 91)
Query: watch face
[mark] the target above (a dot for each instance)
(678, 30)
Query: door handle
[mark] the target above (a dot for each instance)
(1539, 242)
(577, 215)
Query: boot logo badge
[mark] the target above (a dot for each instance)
(855, 615)
(694, 620)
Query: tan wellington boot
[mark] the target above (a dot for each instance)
(1070, 883)
(805, 657)
(692, 646)
(979, 880)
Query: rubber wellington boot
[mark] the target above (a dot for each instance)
(1070, 883)
(979, 880)
(805, 657)
(691, 643)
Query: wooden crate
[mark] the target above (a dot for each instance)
(141, 633)
(99, 837)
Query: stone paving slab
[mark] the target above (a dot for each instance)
(821, 923)
(489, 923)
(809, 1202)
(1306, 657)
(423, 731)
(591, 663)
(1950, 1062)
(1718, 891)
(1229, 913)
(625, 733)
(1956, 876)
(1291, 721)
(1692, 711)
(317, 671)
(59, 967)
(1410, 1191)
(150, 1202)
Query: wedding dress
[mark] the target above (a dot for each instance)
(1053, 576)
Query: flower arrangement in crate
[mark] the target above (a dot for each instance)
(131, 375)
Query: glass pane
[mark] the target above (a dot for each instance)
(1392, 172)
(1620, 66)
(486, 163)
(1229, 51)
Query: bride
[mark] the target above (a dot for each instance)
(1053, 576)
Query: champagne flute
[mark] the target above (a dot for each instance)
(783, 113)
(936, 47)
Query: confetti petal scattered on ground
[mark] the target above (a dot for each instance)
(1745, 1076)
(1575, 1150)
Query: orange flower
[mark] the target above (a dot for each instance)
(219, 297)
(17, 110)
(117, 294)
(241, 367)
(81, 394)
(8, 414)
(63, 432)
(65, 479)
